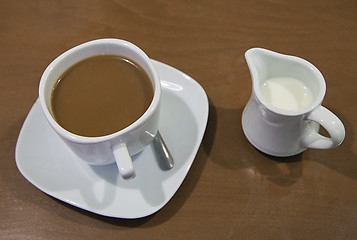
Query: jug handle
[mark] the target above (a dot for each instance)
(332, 124)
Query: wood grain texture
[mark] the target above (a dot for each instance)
(232, 191)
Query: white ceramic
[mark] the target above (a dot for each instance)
(120, 145)
(281, 132)
(46, 162)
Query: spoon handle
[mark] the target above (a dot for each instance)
(163, 154)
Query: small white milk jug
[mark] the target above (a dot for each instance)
(284, 112)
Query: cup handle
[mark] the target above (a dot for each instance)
(331, 123)
(123, 161)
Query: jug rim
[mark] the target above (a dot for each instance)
(316, 74)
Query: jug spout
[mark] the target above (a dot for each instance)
(264, 64)
(257, 63)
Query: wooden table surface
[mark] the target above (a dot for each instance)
(232, 190)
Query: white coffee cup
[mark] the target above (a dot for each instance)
(119, 146)
(285, 132)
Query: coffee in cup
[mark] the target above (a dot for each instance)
(88, 97)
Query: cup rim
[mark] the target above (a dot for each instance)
(137, 124)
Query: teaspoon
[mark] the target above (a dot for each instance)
(166, 162)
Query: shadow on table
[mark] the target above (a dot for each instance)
(232, 150)
(224, 143)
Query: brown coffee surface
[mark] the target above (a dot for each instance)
(101, 95)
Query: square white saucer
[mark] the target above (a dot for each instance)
(45, 161)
